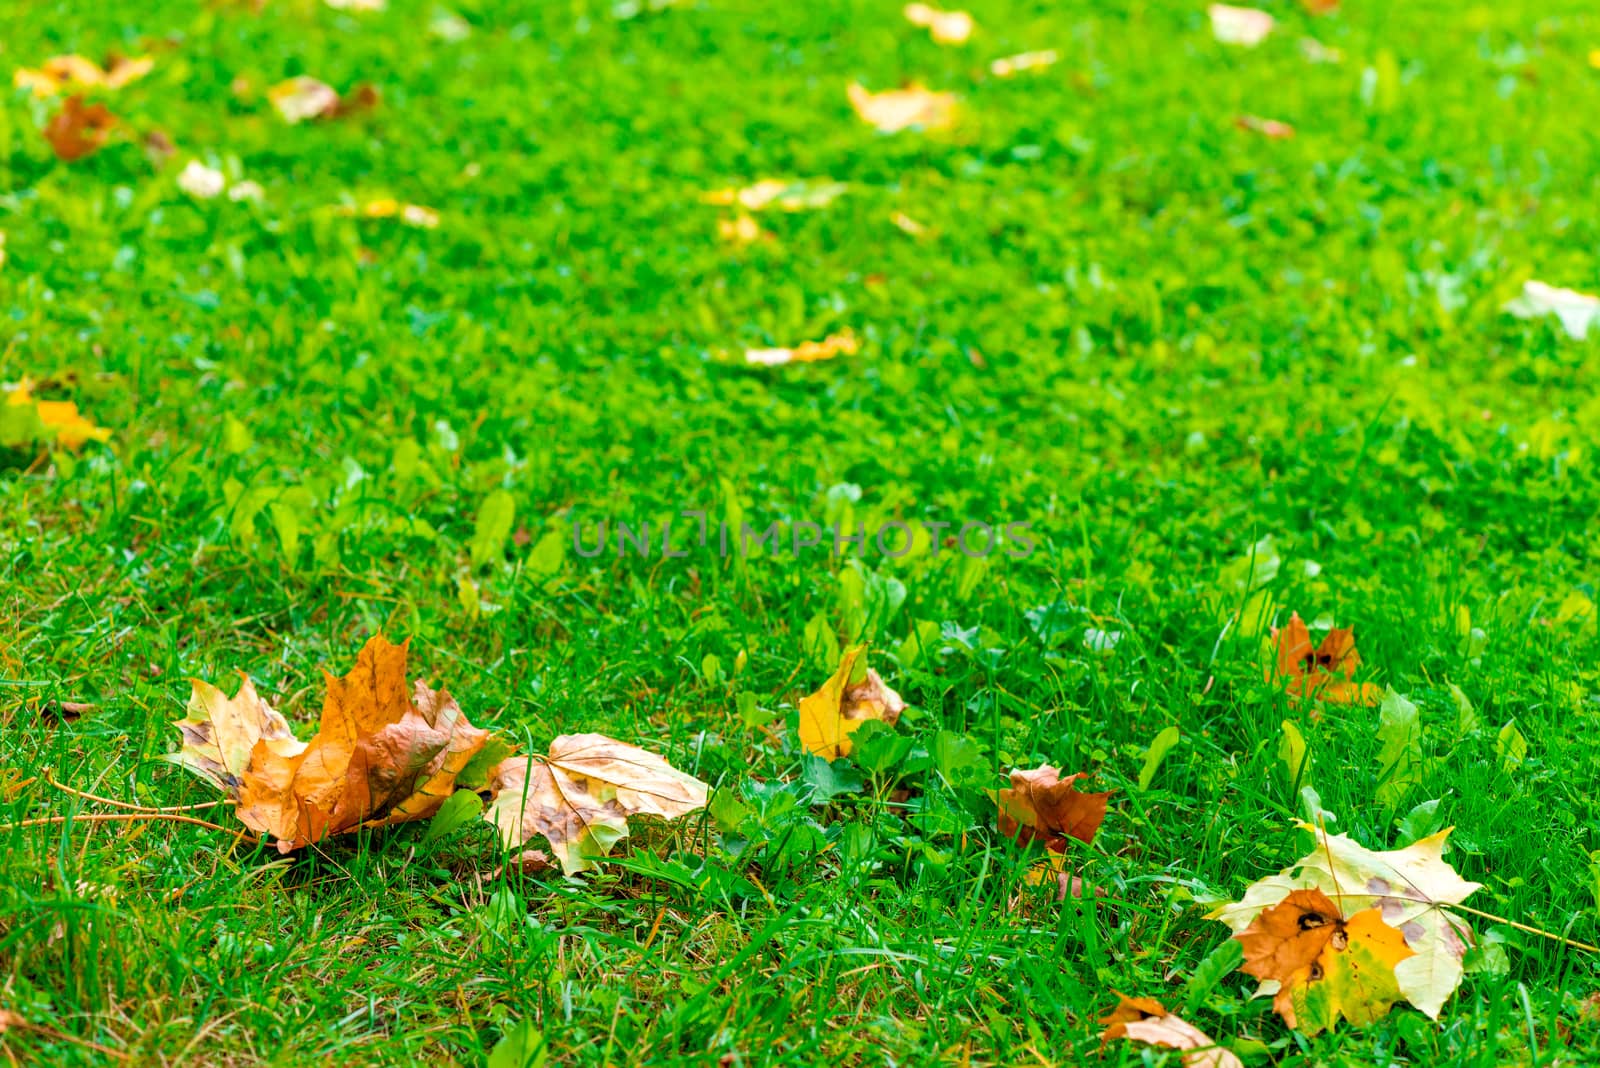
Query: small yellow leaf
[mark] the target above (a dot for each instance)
(68, 427)
(829, 716)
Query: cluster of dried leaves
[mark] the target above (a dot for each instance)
(390, 751)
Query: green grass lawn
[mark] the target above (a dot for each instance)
(1156, 337)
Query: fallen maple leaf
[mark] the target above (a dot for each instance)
(76, 72)
(1410, 888)
(894, 110)
(1326, 966)
(1040, 805)
(1147, 1020)
(580, 795)
(843, 343)
(1245, 26)
(300, 98)
(776, 192)
(852, 696)
(79, 129)
(1325, 672)
(1577, 311)
(1009, 65)
(1271, 128)
(61, 420)
(1320, 7)
(379, 756)
(945, 27)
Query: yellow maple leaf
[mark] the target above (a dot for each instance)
(62, 419)
(854, 695)
(76, 72)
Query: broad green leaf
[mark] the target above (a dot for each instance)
(957, 758)
(726, 810)
(827, 779)
(522, 1047)
(458, 810)
(1400, 753)
(1217, 966)
(1159, 748)
(1467, 718)
(1576, 606)
(1254, 569)
(236, 437)
(495, 517)
(922, 646)
(1510, 747)
(1420, 822)
(1292, 755)
(544, 559)
(878, 747)
(821, 643)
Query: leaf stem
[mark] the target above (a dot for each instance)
(111, 817)
(51, 779)
(1574, 943)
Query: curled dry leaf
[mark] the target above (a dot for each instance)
(79, 129)
(59, 421)
(1245, 26)
(1269, 128)
(1409, 887)
(580, 795)
(75, 72)
(854, 695)
(1041, 806)
(945, 27)
(380, 756)
(902, 109)
(843, 343)
(1010, 65)
(1325, 672)
(1147, 1020)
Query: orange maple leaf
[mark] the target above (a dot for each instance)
(382, 755)
(1325, 672)
(1040, 805)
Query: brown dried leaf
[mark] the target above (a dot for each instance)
(1147, 1020)
(580, 795)
(829, 716)
(1041, 806)
(379, 757)
(79, 129)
